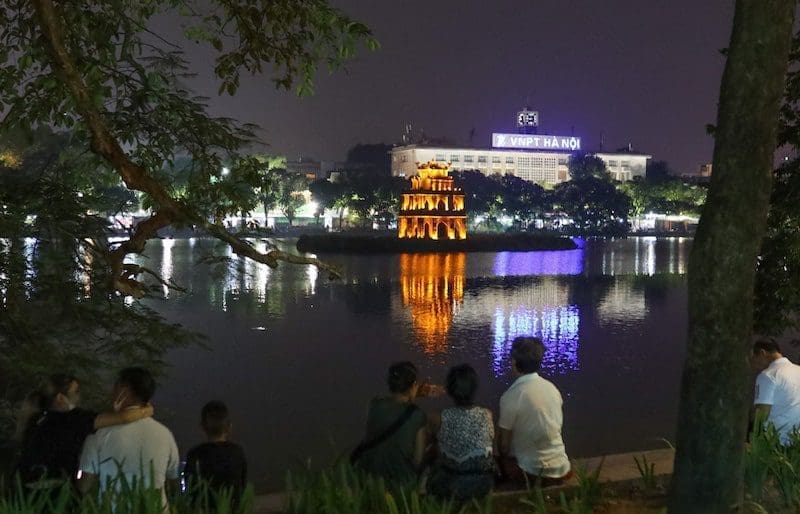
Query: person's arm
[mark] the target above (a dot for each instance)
(434, 422)
(26, 416)
(87, 483)
(88, 479)
(419, 446)
(503, 441)
(764, 398)
(505, 423)
(108, 419)
(173, 470)
(761, 412)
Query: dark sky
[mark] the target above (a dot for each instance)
(640, 71)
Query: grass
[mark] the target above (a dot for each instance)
(127, 499)
(343, 490)
(647, 472)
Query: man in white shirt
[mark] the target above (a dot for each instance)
(530, 443)
(142, 453)
(777, 398)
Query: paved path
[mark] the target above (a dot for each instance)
(615, 468)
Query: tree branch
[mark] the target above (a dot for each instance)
(135, 177)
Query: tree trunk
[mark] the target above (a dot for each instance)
(712, 420)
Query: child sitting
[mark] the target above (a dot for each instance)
(218, 465)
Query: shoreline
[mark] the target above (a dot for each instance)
(387, 244)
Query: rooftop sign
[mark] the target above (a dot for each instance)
(536, 142)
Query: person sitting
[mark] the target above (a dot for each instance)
(217, 466)
(777, 395)
(53, 438)
(396, 432)
(530, 444)
(139, 454)
(464, 466)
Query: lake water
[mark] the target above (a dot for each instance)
(297, 357)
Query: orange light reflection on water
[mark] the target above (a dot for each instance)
(432, 286)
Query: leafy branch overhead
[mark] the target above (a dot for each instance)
(96, 69)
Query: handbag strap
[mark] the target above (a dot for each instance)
(390, 430)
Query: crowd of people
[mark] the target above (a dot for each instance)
(458, 453)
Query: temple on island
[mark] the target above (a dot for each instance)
(433, 208)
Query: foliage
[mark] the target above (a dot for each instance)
(667, 196)
(97, 69)
(130, 499)
(57, 310)
(289, 185)
(777, 288)
(343, 490)
(522, 200)
(769, 463)
(647, 470)
(370, 196)
(582, 166)
(483, 194)
(658, 171)
(374, 156)
(595, 205)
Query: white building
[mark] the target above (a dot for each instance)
(541, 166)
(540, 158)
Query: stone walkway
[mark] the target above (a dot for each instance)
(619, 467)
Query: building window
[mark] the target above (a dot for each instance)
(562, 161)
(467, 158)
(454, 158)
(495, 159)
(440, 157)
(626, 165)
(404, 158)
(482, 159)
(612, 163)
(509, 160)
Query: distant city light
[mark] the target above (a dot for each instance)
(225, 170)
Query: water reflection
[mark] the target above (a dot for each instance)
(508, 264)
(432, 287)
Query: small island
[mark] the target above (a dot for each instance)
(383, 243)
(432, 218)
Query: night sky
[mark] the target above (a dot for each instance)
(640, 71)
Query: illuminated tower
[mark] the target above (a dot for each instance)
(433, 208)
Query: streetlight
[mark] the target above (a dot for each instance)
(225, 170)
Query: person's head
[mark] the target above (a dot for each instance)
(402, 378)
(764, 352)
(134, 386)
(215, 421)
(462, 384)
(527, 354)
(61, 392)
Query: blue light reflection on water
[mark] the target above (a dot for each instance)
(512, 264)
(556, 325)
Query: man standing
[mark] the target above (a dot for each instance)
(777, 398)
(142, 453)
(530, 443)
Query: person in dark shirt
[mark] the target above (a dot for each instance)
(218, 465)
(52, 447)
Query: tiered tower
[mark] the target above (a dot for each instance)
(433, 208)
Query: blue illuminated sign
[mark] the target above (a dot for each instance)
(536, 142)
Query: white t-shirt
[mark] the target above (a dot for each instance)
(532, 410)
(779, 386)
(132, 449)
